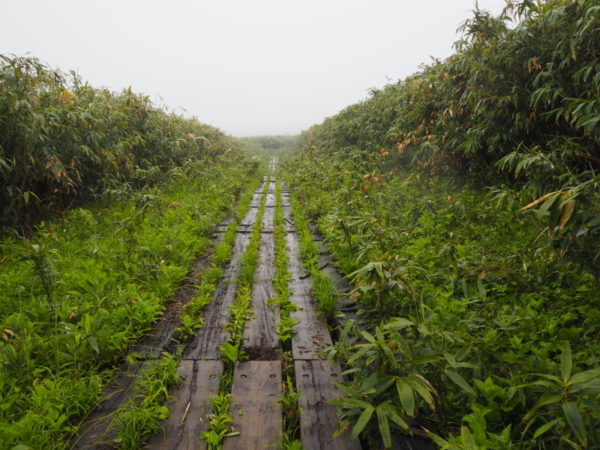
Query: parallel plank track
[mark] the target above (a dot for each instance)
(201, 367)
(256, 414)
(96, 432)
(257, 383)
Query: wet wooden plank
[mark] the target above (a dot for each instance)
(311, 333)
(205, 343)
(309, 340)
(190, 407)
(261, 340)
(248, 221)
(318, 421)
(268, 223)
(96, 432)
(255, 202)
(255, 411)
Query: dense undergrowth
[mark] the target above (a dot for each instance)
(231, 352)
(83, 287)
(64, 142)
(482, 318)
(115, 198)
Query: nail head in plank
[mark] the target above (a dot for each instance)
(318, 420)
(254, 409)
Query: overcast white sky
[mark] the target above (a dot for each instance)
(247, 67)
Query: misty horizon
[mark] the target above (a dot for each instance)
(249, 69)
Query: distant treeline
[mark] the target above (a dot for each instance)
(516, 109)
(61, 140)
(280, 142)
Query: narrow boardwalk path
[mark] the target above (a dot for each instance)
(256, 384)
(191, 401)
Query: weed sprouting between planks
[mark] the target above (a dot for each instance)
(289, 398)
(60, 348)
(140, 416)
(219, 426)
(323, 290)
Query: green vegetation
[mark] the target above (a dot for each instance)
(63, 142)
(220, 420)
(81, 288)
(289, 397)
(480, 318)
(219, 425)
(84, 287)
(141, 414)
(323, 290)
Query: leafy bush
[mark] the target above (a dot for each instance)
(62, 140)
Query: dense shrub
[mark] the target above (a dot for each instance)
(61, 140)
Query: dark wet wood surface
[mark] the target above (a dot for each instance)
(255, 411)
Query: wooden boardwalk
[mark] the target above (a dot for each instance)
(257, 383)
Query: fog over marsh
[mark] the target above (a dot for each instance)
(247, 67)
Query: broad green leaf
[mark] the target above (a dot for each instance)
(384, 427)
(584, 377)
(544, 400)
(575, 421)
(460, 381)
(407, 396)
(467, 438)
(362, 421)
(541, 430)
(398, 323)
(94, 343)
(566, 362)
(424, 388)
(395, 417)
(368, 336)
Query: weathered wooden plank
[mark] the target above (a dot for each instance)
(249, 219)
(96, 432)
(268, 223)
(261, 340)
(255, 202)
(309, 340)
(270, 200)
(205, 344)
(190, 407)
(254, 409)
(318, 421)
(311, 333)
